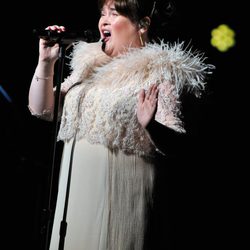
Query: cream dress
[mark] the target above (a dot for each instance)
(90, 200)
(87, 215)
(112, 180)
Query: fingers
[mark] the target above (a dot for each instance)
(49, 41)
(152, 93)
(141, 96)
(56, 28)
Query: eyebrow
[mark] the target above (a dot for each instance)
(111, 8)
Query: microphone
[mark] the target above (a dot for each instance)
(68, 37)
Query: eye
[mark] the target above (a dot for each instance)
(114, 13)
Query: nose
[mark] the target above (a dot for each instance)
(103, 23)
(104, 20)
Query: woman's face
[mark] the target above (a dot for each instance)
(117, 31)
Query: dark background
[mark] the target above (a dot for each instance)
(206, 186)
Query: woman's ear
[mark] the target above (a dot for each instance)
(144, 24)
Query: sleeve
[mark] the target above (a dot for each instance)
(183, 72)
(167, 141)
(168, 107)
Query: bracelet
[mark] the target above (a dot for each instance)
(42, 78)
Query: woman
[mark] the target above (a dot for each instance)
(119, 89)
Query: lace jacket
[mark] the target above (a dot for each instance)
(102, 92)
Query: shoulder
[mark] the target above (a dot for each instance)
(82, 46)
(89, 53)
(175, 54)
(186, 68)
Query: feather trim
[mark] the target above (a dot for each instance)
(102, 108)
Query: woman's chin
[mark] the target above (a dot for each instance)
(108, 51)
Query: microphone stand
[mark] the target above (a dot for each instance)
(48, 212)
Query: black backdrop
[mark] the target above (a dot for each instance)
(208, 180)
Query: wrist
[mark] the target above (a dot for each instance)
(37, 77)
(44, 71)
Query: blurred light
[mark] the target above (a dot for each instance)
(223, 38)
(5, 94)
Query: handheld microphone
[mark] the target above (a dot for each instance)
(68, 37)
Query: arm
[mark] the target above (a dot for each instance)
(167, 140)
(41, 93)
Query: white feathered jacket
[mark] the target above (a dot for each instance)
(102, 93)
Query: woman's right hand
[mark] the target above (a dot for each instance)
(48, 52)
(147, 104)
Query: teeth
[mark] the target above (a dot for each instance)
(106, 33)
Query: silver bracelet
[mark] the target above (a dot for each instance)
(42, 78)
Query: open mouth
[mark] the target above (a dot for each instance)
(106, 34)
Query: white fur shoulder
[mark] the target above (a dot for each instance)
(185, 69)
(87, 53)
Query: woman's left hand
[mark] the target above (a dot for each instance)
(147, 104)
